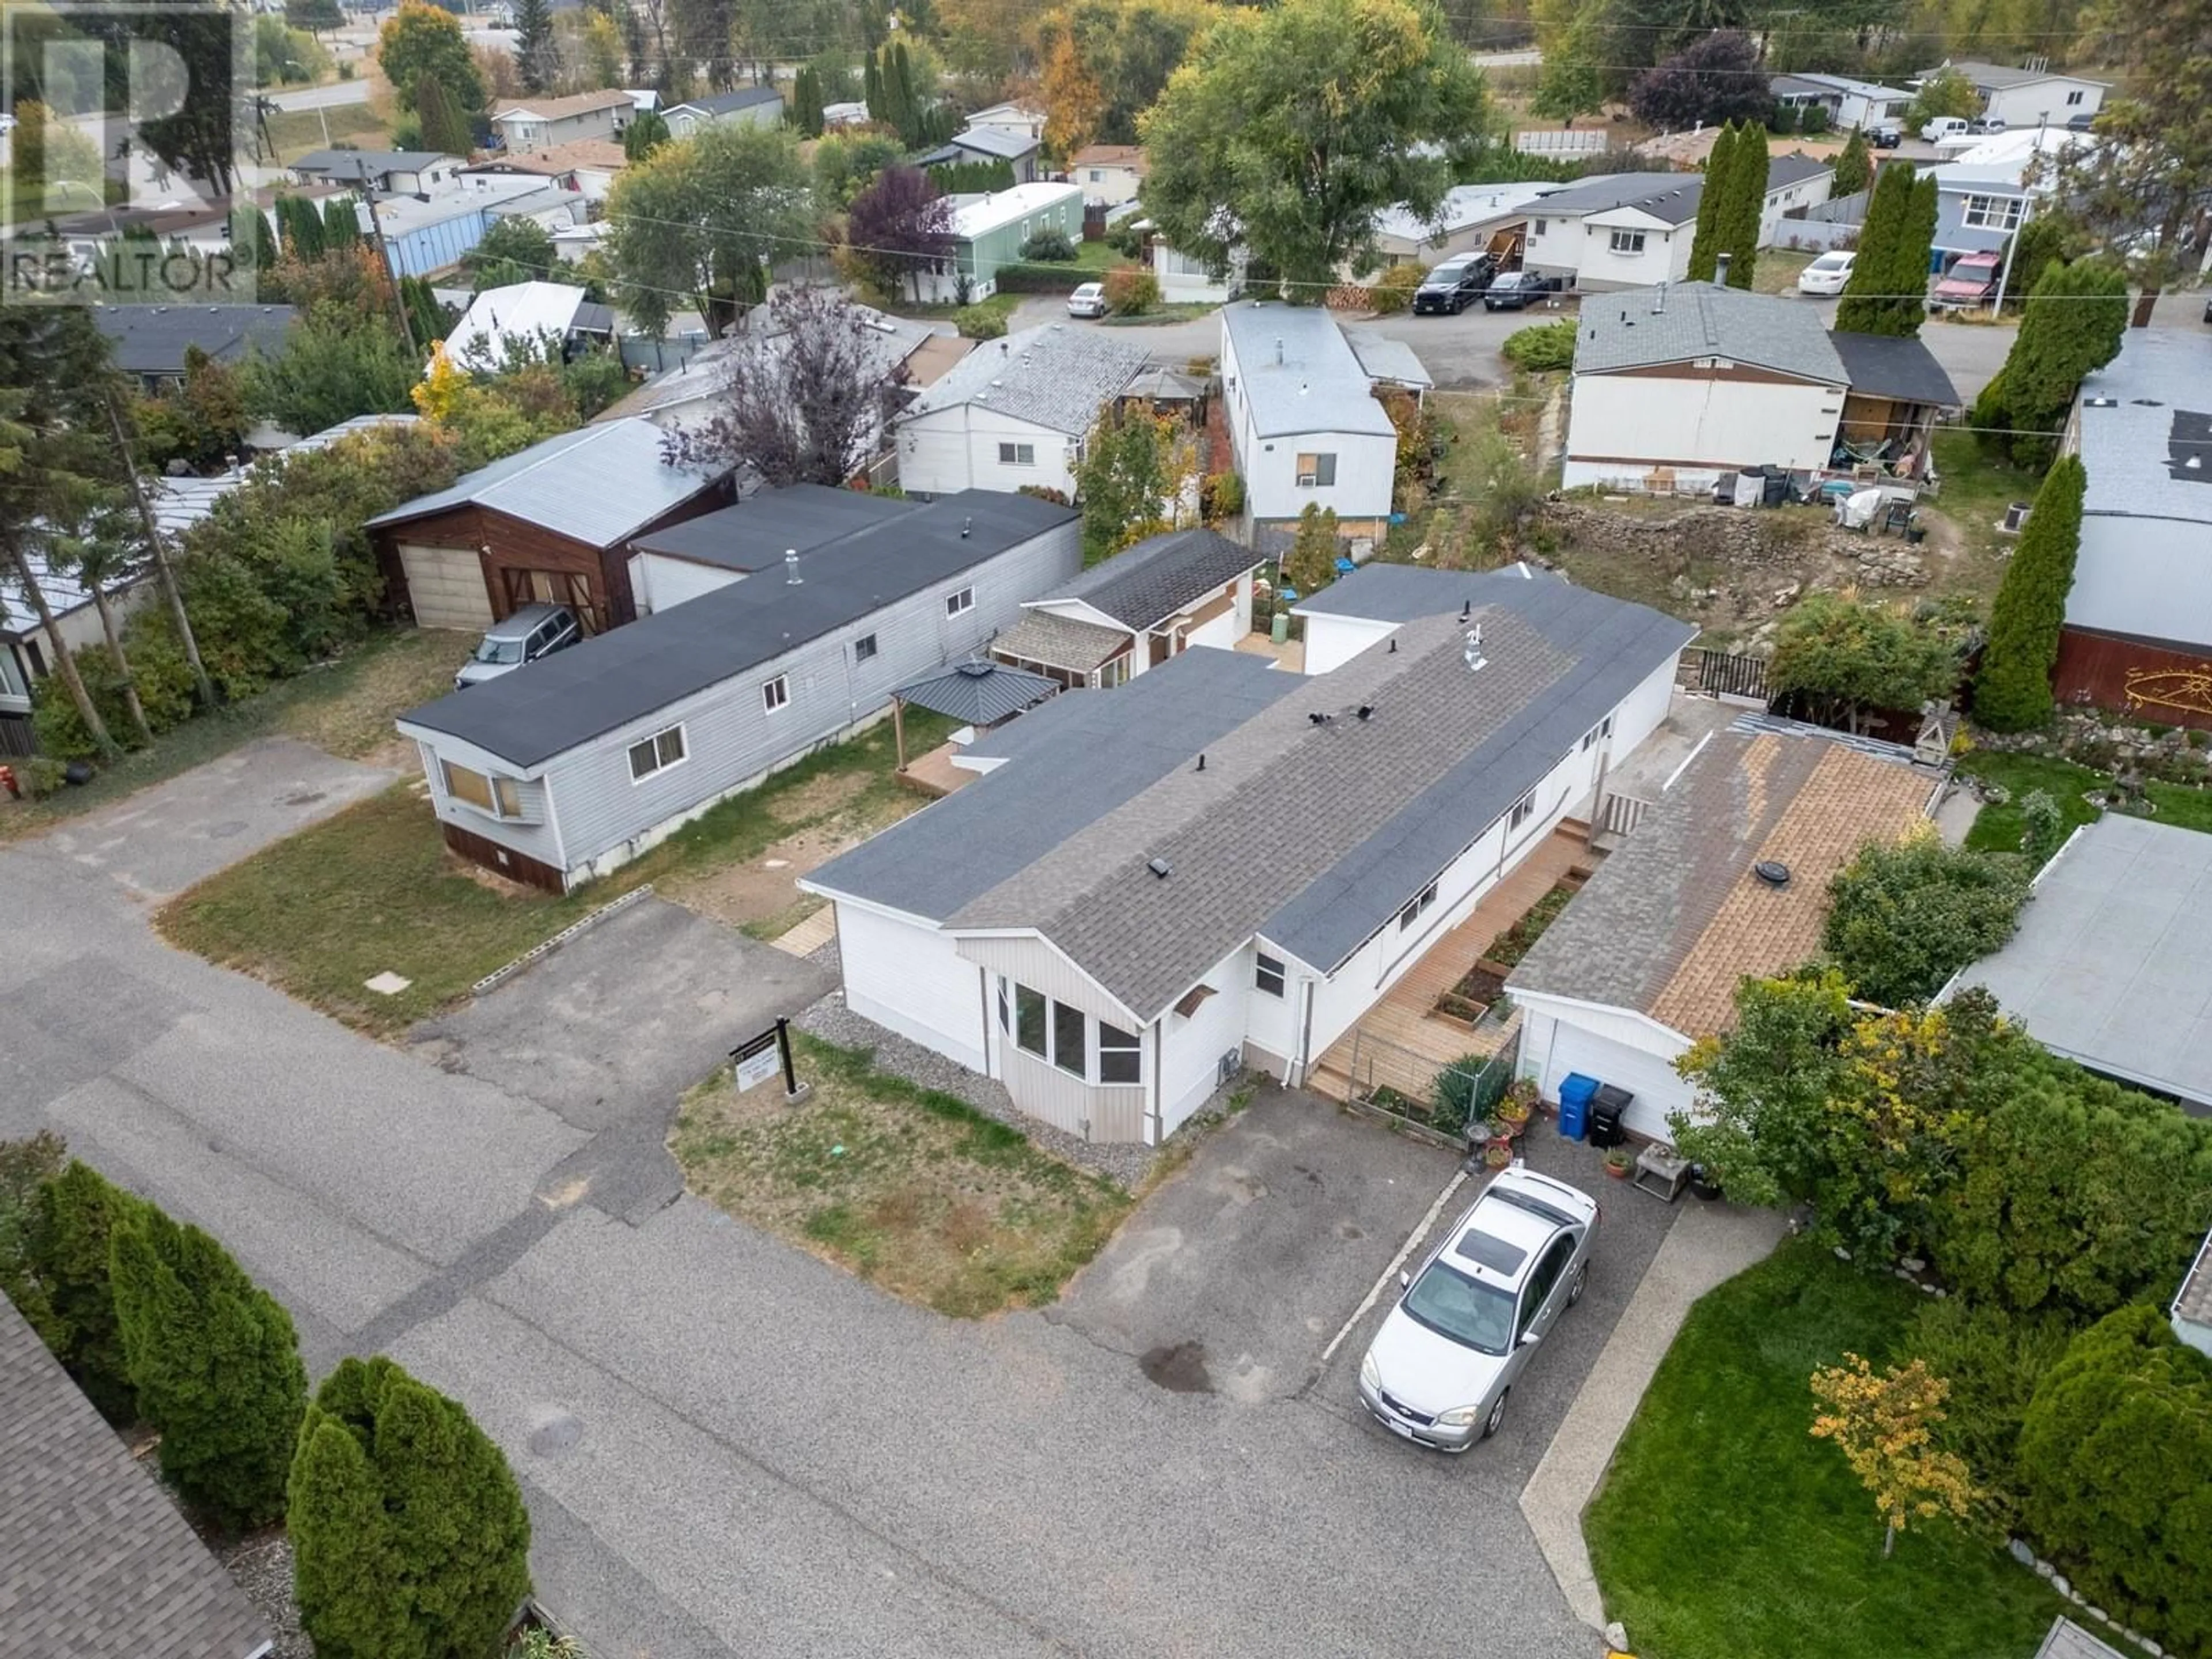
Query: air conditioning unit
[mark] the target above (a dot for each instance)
(2015, 518)
(1231, 1063)
(1308, 480)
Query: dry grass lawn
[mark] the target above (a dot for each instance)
(355, 723)
(911, 1189)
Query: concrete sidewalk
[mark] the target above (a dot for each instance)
(1708, 1244)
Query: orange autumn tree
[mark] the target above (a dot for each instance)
(1073, 97)
(1883, 1426)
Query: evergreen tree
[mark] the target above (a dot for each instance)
(341, 225)
(300, 223)
(255, 250)
(647, 132)
(216, 1365)
(408, 1534)
(78, 1210)
(871, 89)
(431, 320)
(1705, 244)
(1854, 166)
(2012, 692)
(445, 129)
(1886, 293)
(807, 101)
(535, 57)
(1738, 228)
(2072, 324)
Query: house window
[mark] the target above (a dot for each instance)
(1068, 1025)
(2075, 96)
(1005, 1018)
(776, 693)
(1316, 471)
(1017, 454)
(486, 792)
(656, 753)
(1602, 729)
(1993, 212)
(1417, 908)
(1541, 225)
(1029, 1021)
(864, 648)
(1628, 241)
(1095, 175)
(1524, 810)
(1268, 974)
(957, 603)
(1120, 1054)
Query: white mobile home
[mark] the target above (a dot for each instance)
(2031, 97)
(1304, 421)
(1146, 604)
(1015, 411)
(1223, 865)
(571, 766)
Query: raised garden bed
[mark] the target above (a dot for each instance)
(1506, 950)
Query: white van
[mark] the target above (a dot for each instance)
(1942, 127)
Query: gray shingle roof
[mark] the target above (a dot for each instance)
(1996, 77)
(1058, 641)
(2112, 964)
(1311, 835)
(1657, 193)
(1637, 329)
(1883, 366)
(595, 485)
(1674, 918)
(96, 1562)
(360, 164)
(758, 533)
(560, 701)
(721, 103)
(1143, 585)
(1054, 376)
(1300, 374)
(1793, 168)
(152, 339)
(2143, 414)
(979, 693)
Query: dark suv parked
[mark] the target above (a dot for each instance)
(1518, 290)
(1454, 284)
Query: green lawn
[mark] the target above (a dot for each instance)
(1976, 490)
(1998, 826)
(1778, 268)
(373, 889)
(296, 132)
(910, 1188)
(1725, 1531)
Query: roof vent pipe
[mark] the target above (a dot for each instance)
(1201, 760)
(1771, 871)
(1720, 270)
(1659, 301)
(1278, 351)
(791, 566)
(966, 525)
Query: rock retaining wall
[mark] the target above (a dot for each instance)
(1736, 537)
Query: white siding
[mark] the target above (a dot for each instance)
(1805, 193)
(1186, 280)
(535, 835)
(446, 586)
(1111, 185)
(1191, 1050)
(1621, 425)
(2043, 103)
(1366, 463)
(658, 582)
(908, 976)
(2148, 577)
(1332, 641)
(1665, 256)
(954, 449)
(1612, 1046)
(1041, 966)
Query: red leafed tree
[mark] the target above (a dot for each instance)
(899, 226)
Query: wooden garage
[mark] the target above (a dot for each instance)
(553, 524)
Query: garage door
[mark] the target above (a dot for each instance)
(1650, 1079)
(446, 586)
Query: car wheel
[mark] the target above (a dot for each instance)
(1497, 1415)
(1577, 1284)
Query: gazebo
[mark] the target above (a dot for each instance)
(980, 694)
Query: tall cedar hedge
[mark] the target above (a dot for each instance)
(2011, 691)
(408, 1535)
(1886, 293)
(2072, 324)
(2115, 1458)
(215, 1364)
(78, 1212)
(1705, 244)
(1746, 196)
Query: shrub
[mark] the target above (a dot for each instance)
(980, 322)
(1050, 245)
(408, 1535)
(1130, 291)
(2116, 1457)
(1541, 346)
(78, 1212)
(1221, 497)
(1813, 121)
(26, 1167)
(1903, 917)
(1126, 239)
(1393, 291)
(1994, 1360)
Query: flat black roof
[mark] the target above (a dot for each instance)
(561, 701)
(757, 531)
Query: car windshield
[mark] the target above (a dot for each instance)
(1832, 262)
(1463, 1309)
(499, 651)
(1443, 276)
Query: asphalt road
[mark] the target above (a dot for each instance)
(728, 1446)
(332, 96)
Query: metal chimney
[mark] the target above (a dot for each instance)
(791, 566)
(1278, 351)
(1659, 301)
(1720, 271)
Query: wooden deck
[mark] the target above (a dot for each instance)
(1402, 1041)
(934, 773)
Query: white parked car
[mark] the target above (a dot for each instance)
(1446, 1357)
(1088, 301)
(1828, 274)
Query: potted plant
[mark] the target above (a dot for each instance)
(1496, 1154)
(1704, 1183)
(1518, 1107)
(1618, 1163)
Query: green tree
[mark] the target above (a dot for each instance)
(255, 250)
(408, 1534)
(1886, 293)
(1848, 657)
(1705, 243)
(422, 39)
(846, 164)
(301, 224)
(1854, 166)
(1126, 480)
(2043, 828)
(1904, 916)
(702, 220)
(647, 132)
(1570, 83)
(2012, 690)
(1311, 565)
(2116, 1455)
(1746, 182)
(79, 1211)
(2074, 317)
(1289, 128)
(1945, 94)
(330, 371)
(216, 1365)
(314, 16)
(444, 127)
(26, 1168)
(535, 57)
(341, 224)
(805, 110)
(514, 249)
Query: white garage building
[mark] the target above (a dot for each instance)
(1646, 958)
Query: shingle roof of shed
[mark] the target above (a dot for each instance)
(1888, 366)
(1058, 641)
(1143, 585)
(1051, 376)
(1674, 919)
(995, 141)
(1640, 329)
(96, 1562)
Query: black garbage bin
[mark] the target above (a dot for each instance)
(1607, 1106)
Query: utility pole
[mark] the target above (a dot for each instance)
(201, 685)
(384, 253)
(2004, 276)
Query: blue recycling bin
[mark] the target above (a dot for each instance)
(1576, 1092)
